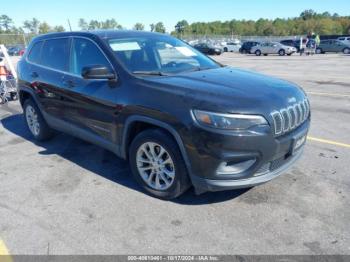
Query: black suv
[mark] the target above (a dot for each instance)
(208, 49)
(180, 118)
(247, 46)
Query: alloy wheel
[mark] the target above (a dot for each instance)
(32, 120)
(155, 166)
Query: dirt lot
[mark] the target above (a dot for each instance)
(70, 197)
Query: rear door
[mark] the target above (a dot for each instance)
(47, 74)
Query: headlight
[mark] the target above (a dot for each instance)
(228, 121)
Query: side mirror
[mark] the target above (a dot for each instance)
(97, 72)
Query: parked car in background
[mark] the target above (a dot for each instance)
(345, 40)
(16, 50)
(232, 47)
(208, 49)
(267, 48)
(332, 46)
(293, 43)
(247, 46)
(178, 117)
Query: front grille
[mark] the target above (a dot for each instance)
(287, 119)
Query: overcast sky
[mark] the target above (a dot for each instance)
(128, 12)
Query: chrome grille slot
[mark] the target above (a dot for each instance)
(290, 118)
(286, 121)
(278, 122)
(299, 113)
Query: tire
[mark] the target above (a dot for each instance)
(319, 51)
(282, 52)
(14, 96)
(36, 122)
(177, 184)
(346, 50)
(258, 52)
(225, 49)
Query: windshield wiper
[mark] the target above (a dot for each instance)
(150, 73)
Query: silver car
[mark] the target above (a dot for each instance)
(267, 48)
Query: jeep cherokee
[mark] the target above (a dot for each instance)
(179, 118)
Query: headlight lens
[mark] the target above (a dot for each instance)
(228, 121)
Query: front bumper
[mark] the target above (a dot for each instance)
(272, 156)
(203, 185)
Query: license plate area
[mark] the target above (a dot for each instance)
(298, 143)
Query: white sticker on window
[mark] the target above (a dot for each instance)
(125, 46)
(185, 51)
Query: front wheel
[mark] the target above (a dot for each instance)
(282, 52)
(258, 53)
(36, 122)
(319, 51)
(157, 164)
(225, 49)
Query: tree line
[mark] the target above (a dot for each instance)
(34, 26)
(308, 21)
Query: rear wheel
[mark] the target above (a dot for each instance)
(35, 121)
(319, 51)
(346, 50)
(258, 52)
(157, 164)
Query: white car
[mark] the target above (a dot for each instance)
(344, 39)
(267, 48)
(232, 47)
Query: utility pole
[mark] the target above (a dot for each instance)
(70, 27)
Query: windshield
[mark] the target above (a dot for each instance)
(159, 55)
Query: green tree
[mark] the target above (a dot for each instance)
(181, 27)
(308, 14)
(159, 27)
(83, 24)
(32, 25)
(139, 26)
(110, 24)
(58, 28)
(5, 23)
(44, 28)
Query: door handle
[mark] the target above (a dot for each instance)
(34, 75)
(69, 83)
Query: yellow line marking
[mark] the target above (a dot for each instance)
(4, 253)
(327, 94)
(328, 141)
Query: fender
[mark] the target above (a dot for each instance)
(170, 129)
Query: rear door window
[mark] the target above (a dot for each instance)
(86, 53)
(34, 55)
(55, 54)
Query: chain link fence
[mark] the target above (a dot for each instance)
(15, 39)
(235, 38)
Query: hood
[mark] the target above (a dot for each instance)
(231, 90)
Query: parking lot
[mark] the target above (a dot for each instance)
(67, 196)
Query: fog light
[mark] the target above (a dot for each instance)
(234, 169)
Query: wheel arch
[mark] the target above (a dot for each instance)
(137, 123)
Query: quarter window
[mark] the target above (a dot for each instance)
(34, 55)
(55, 53)
(85, 53)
